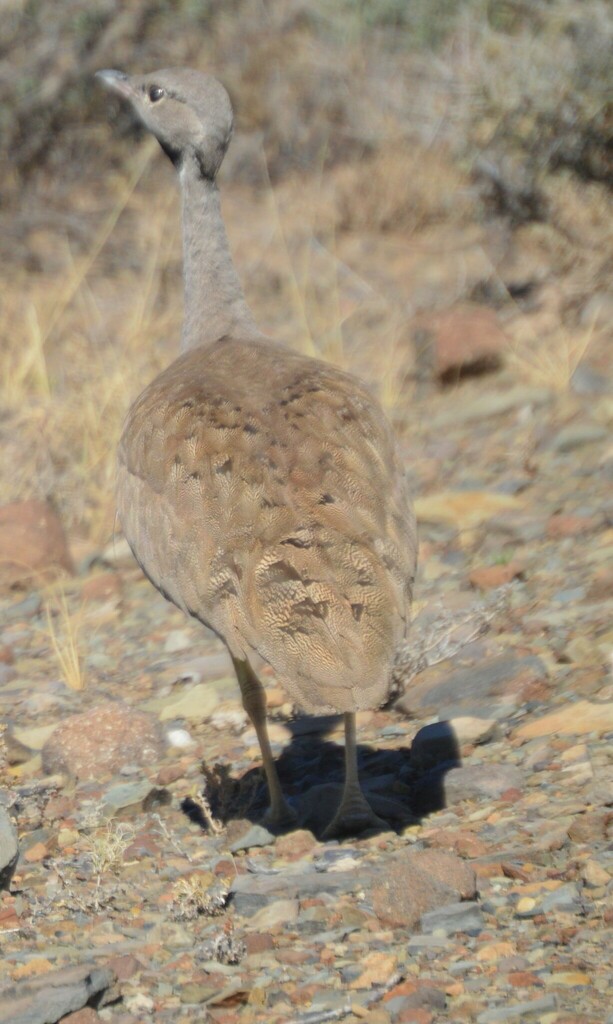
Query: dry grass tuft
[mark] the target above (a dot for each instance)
(195, 895)
(65, 637)
(106, 848)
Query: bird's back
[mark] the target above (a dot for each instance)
(261, 492)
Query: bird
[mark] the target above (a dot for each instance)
(260, 490)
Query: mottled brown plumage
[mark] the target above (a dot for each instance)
(261, 490)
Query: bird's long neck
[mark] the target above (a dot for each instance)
(214, 301)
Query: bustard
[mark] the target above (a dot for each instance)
(260, 490)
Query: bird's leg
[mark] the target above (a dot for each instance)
(354, 813)
(279, 814)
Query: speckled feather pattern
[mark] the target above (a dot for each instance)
(262, 493)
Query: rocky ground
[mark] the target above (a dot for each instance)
(145, 889)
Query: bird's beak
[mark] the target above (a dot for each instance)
(117, 81)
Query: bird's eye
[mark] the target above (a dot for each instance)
(156, 93)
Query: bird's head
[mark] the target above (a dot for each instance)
(189, 113)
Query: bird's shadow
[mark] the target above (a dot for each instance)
(311, 771)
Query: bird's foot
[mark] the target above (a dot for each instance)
(280, 818)
(353, 817)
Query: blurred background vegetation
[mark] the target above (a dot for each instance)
(393, 160)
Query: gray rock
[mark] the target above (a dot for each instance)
(298, 884)
(9, 849)
(520, 1011)
(586, 381)
(469, 689)
(523, 527)
(427, 996)
(7, 673)
(491, 404)
(257, 835)
(575, 435)
(452, 918)
(566, 898)
(46, 999)
(423, 943)
(481, 780)
(126, 794)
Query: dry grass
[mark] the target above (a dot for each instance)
(65, 634)
(547, 361)
(106, 848)
(78, 347)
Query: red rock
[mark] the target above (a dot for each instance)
(470, 846)
(601, 586)
(36, 853)
(100, 741)
(106, 586)
(33, 544)
(415, 1016)
(7, 656)
(413, 883)
(466, 336)
(258, 942)
(8, 917)
(59, 808)
(447, 868)
(490, 576)
(170, 773)
(523, 979)
(124, 967)
(84, 1016)
(292, 956)
(295, 845)
(560, 525)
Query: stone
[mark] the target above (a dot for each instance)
(257, 835)
(463, 510)
(443, 788)
(105, 586)
(84, 1016)
(491, 404)
(101, 741)
(279, 912)
(491, 576)
(566, 898)
(594, 875)
(446, 867)
(535, 1008)
(492, 952)
(568, 979)
(252, 892)
(576, 719)
(560, 525)
(51, 996)
(195, 704)
(461, 338)
(295, 844)
(575, 435)
(375, 969)
(587, 381)
(453, 918)
(126, 795)
(7, 654)
(403, 889)
(33, 544)
(497, 683)
(9, 849)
